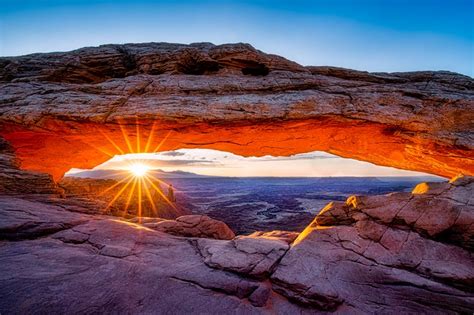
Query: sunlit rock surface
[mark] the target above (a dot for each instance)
(399, 253)
(250, 256)
(64, 110)
(190, 225)
(114, 266)
(110, 197)
(14, 181)
(403, 252)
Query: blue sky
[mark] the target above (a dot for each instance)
(367, 35)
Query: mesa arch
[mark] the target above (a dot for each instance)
(64, 110)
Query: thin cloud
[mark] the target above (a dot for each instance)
(303, 156)
(172, 153)
(155, 163)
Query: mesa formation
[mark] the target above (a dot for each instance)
(71, 245)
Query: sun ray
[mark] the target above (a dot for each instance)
(140, 197)
(117, 195)
(130, 195)
(137, 127)
(160, 192)
(112, 142)
(160, 181)
(161, 142)
(125, 136)
(140, 183)
(101, 150)
(150, 198)
(150, 137)
(116, 184)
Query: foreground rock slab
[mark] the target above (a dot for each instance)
(24, 219)
(108, 265)
(191, 226)
(252, 256)
(404, 252)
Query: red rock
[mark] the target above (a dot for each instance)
(393, 253)
(193, 226)
(285, 236)
(399, 253)
(102, 192)
(415, 120)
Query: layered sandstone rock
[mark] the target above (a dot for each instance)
(251, 256)
(14, 181)
(64, 110)
(400, 253)
(404, 252)
(377, 254)
(143, 270)
(26, 219)
(190, 225)
(112, 196)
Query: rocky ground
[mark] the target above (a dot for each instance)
(398, 253)
(112, 197)
(403, 252)
(71, 109)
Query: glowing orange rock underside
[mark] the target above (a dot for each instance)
(62, 145)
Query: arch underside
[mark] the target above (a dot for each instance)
(62, 145)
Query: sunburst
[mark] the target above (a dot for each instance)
(139, 182)
(139, 169)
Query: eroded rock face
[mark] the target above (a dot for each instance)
(14, 181)
(25, 219)
(377, 254)
(248, 255)
(64, 110)
(404, 252)
(112, 197)
(439, 211)
(143, 270)
(190, 225)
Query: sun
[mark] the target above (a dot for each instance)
(138, 169)
(140, 182)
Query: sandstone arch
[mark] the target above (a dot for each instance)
(64, 110)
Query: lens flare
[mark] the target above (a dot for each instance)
(141, 181)
(138, 169)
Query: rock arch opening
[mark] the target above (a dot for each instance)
(247, 193)
(59, 145)
(71, 110)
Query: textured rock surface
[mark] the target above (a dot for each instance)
(24, 219)
(103, 193)
(397, 253)
(285, 236)
(378, 254)
(248, 255)
(14, 181)
(192, 226)
(64, 110)
(103, 264)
